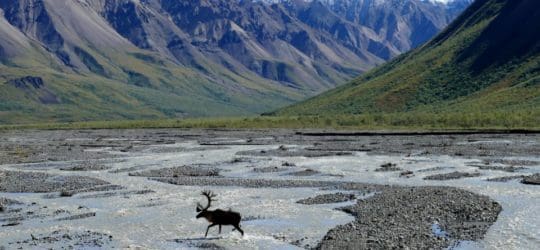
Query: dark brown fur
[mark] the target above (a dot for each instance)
(218, 216)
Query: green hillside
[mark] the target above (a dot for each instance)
(487, 60)
(126, 85)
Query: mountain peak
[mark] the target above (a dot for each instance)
(170, 58)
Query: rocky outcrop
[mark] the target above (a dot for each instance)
(32, 18)
(27, 82)
(323, 42)
(248, 56)
(531, 179)
(35, 88)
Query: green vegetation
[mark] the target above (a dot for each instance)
(126, 86)
(482, 72)
(487, 61)
(397, 121)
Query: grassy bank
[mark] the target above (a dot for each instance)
(529, 120)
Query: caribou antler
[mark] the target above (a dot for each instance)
(217, 217)
(210, 197)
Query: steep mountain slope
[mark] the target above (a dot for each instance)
(96, 59)
(487, 60)
(404, 24)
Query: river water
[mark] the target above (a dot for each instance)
(165, 219)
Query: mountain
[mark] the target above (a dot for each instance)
(487, 60)
(66, 60)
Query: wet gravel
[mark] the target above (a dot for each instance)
(269, 183)
(125, 194)
(293, 153)
(328, 199)
(451, 176)
(196, 243)
(532, 179)
(37, 182)
(465, 145)
(512, 162)
(305, 172)
(179, 171)
(388, 167)
(394, 218)
(85, 167)
(5, 204)
(8, 202)
(510, 169)
(269, 169)
(506, 178)
(404, 218)
(78, 216)
(66, 239)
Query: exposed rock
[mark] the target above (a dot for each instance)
(67, 239)
(37, 182)
(78, 216)
(11, 224)
(194, 243)
(288, 164)
(402, 218)
(27, 82)
(327, 198)
(406, 174)
(35, 86)
(66, 193)
(451, 176)
(306, 172)
(388, 167)
(111, 194)
(293, 153)
(303, 47)
(86, 167)
(125, 170)
(505, 178)
(269, 183)
(532, 179)
(178, 171)
(513, 162)
(269, 169)
(8, 202)
(434, 169)
(510, 169)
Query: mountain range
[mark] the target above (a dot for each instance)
(63, 60)
(487, 60)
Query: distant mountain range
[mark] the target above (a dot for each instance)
(486, 60)
(64, 60)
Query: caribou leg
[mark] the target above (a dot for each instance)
(237, 226)
(208, 228)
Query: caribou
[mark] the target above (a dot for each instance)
(218, 217)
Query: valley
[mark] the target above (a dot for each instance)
(302, 124)
(117, 60)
